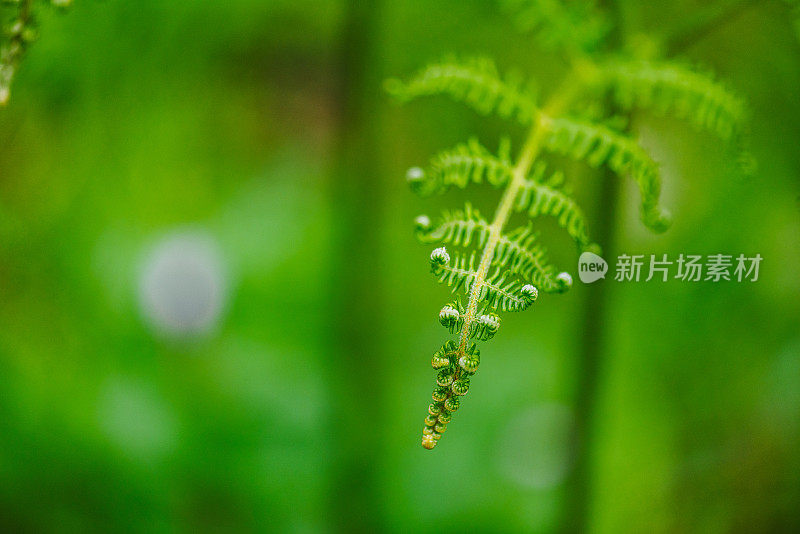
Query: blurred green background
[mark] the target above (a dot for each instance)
(214, 315)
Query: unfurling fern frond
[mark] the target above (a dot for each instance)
(467, 163)
(452, 317)
(518, 252)
(492, 269)
(598, 145)
(474, 81)
(560, 24)
(472, 163)
(501, 290)
(455, 365)
(674, 88)
(459, 228)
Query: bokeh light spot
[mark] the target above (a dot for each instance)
(183, 285)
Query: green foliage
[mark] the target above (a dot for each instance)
(469, 162)
(17, 36)
(474, 81)
(519, 251)
(504, 271)
(672, 88)
(501, 290)
(597, 144)
(545, 197)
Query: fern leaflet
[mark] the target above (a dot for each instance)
(673, 88)
(466, 163)
(597, 145)
(518, 251)
(544, 198)
(474, 81)
(501, 290)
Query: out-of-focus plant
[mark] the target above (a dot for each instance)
(584, 119)
(19, 30)
(794, 6)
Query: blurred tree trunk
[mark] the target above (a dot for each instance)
(354, 310)
(592, 344)
(590, 354)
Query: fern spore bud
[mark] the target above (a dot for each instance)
(529, 294)
(445, 376)
(452, 404)
(449, 317)
(460, 386)
(564, 281)
(487, 326)
(439, 257)
(440, 394)
(422, 224)
(439, 360)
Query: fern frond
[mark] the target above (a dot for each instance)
(518, 252)
(454, 369)
(466, 163)
(675, 88)
(452, 317)
(538, 197)
(474, 81)
(457, 228)
(560, 24)
(500, 290)
(522, 255)
(597, 145)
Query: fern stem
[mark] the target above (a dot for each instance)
(530, 151)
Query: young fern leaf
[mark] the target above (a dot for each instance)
(518, 252)
(467, 163)
(524, 256)
(597, 145)
(537, 197)
(452, 317)
(672, 88)
(474, 81)
(501, 290)
(472, 163)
